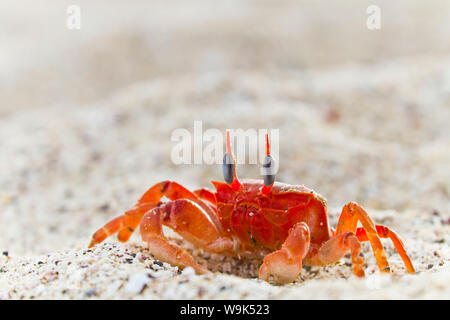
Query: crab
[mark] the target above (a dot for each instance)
(285, 224)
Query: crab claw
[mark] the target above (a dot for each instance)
(285, 264)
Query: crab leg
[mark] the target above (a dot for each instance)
(132, 219)
(208, 203)
(128, 222)
(205, 194)
(351, 214)
(385, 232)
(125, 224)
(285, 264)
(189, 220)
(335, 248)
(174, 191)
(170, 189)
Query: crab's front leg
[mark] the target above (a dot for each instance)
(189, 220)
(285, 264)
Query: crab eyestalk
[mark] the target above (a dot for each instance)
(229, 167)
(267, 169)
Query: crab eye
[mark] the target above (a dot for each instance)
(267, 170)
(228, 168)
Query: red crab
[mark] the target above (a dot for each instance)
(288, 224)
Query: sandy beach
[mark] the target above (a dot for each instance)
(86, 121)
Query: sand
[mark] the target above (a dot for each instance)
(128, 271)
(91, 165)
(79, 145)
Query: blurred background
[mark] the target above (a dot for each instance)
(86, 115)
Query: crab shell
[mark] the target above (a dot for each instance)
(260, 221)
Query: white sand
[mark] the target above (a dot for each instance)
(81, 141)
(123, 271)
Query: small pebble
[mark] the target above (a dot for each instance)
(188, 271)
(136, 283)
(159, 263)
(90, 293)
